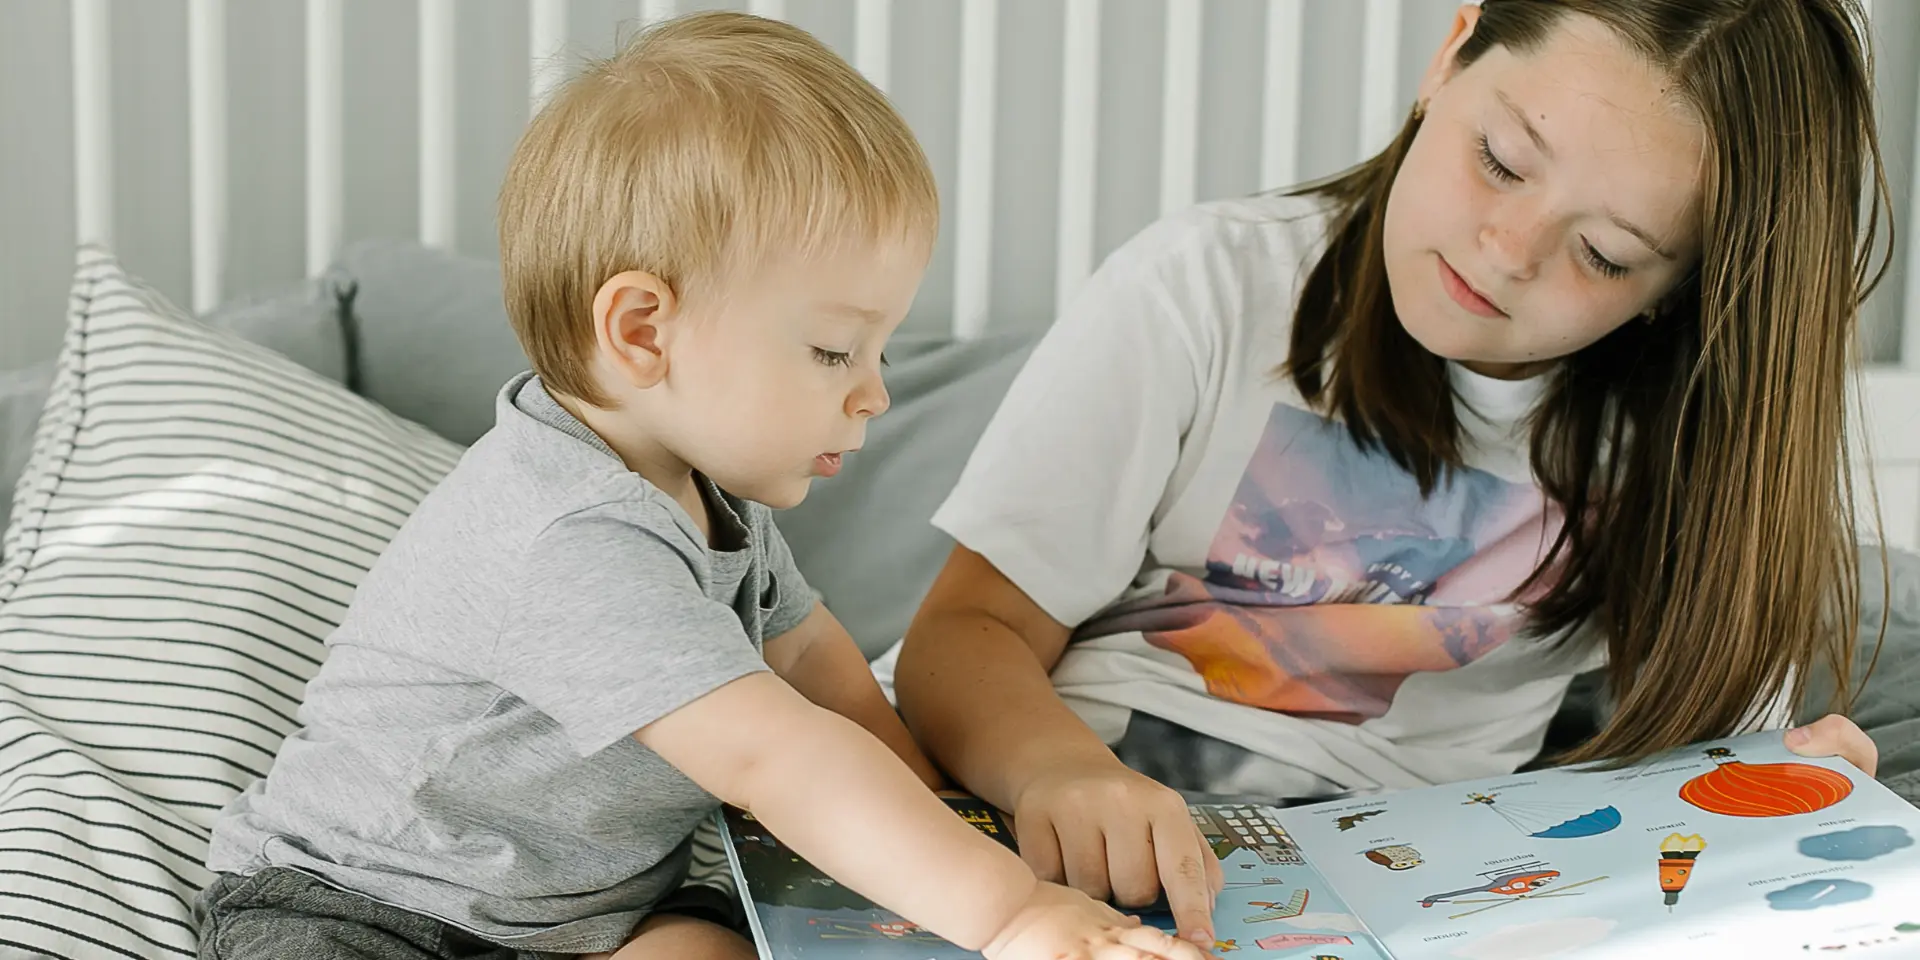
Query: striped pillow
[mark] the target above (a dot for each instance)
(191, 524)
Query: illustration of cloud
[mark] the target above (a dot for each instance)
(1814, 894)
(1537, 941)
(1342, 922)
(1860, 843)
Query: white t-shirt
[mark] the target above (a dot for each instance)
(1230, 559)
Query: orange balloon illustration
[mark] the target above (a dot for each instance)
(1736, 789)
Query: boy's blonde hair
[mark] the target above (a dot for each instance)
(699, 147)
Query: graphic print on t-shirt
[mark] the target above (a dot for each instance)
(1331, 579)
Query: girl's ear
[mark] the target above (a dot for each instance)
(1441, 69)
(635, 314)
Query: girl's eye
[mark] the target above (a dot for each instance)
(832, 358)
(1500, 171)
(1607, 268)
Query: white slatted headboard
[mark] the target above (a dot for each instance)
(1057, 128)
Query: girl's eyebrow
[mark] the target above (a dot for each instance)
(1639, 233)
(1525, 124)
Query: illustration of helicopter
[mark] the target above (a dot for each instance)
(1510, 881)
(1509, 885)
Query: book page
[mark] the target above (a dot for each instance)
(1274, 905)
(1736, 848)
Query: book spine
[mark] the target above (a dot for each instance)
(761, 945)
(1279, 817)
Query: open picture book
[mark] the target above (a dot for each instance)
(1733, 848)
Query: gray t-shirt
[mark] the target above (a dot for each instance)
(465, 751)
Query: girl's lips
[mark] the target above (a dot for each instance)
(1463, 293)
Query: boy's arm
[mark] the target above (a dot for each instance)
(844, 803)
(821, 661)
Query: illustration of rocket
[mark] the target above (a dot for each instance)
(1677, 854)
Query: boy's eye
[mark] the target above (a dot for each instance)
(1500, 171)
(833, 358)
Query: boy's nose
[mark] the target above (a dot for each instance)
(870, 399)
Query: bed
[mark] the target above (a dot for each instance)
(200, 476)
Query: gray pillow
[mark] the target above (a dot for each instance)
(22, 395)
(429, 333)
(302, 323)
(863, 538)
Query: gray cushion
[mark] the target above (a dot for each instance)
(22, 394)
(863, 538)
(301, 323)
(429, 333)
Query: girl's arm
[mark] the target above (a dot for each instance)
(973, 684)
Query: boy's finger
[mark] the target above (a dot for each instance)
(1182, 856)
(1155, 942)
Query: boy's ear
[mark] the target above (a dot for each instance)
(633, 315)
(1441, 69)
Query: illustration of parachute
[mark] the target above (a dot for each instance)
(1550, 820)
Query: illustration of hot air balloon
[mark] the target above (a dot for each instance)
(1677, 854)
(1550, 821)
(1737, 789)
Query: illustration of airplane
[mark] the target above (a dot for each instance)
(1282, 910)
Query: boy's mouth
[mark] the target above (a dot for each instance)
(827, 464)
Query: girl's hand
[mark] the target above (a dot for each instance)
(1115, 834)
(1060, 923)
(1835, 736)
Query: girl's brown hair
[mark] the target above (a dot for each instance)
(1701, 456)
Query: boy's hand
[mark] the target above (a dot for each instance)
(1836, 736)
(1060, 923)
(1114, 833)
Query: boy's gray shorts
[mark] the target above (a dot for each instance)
(282, 913)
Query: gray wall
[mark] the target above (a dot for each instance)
(266, 71)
